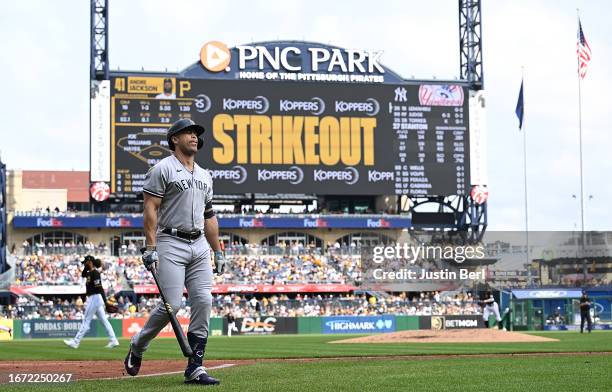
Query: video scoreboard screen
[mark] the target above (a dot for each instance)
(292, 137)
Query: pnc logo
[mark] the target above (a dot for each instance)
(215, 56)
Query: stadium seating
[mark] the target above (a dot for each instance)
(423, 304)
(251, 264)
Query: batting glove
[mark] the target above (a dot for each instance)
(150, 259)
(220, 262)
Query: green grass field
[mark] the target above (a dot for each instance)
(541, 373)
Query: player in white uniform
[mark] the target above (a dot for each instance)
(490, 307)
(95, 305)
(180, 228)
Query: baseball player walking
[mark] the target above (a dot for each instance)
(231, 324)
(491, 307)
(585, 312)
(95, 305)
(180, 228)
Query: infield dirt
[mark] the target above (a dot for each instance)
(449, 336)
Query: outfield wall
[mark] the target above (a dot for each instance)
(265, 325)
(41, 329)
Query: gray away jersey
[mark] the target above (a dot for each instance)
(184, 194)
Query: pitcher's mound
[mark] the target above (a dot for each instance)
(449, 336)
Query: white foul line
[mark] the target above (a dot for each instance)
(225, 365)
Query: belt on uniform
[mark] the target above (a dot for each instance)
(186, 235)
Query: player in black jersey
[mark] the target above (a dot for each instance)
(95, 305)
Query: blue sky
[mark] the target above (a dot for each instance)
(45, 66)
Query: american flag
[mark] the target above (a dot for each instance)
(584, 52)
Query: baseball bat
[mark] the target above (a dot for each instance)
(176, 326)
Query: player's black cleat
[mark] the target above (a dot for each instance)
(198, 375)
(132, 363)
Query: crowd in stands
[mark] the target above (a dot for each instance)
(60, 247)
(293, 263)
(590, 281)
(307, 305)
(39, 211)
(60, 269)
(222, 209)
(284, 263)
(564, 281)
(240, 305)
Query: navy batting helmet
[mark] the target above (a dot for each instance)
(183, 125)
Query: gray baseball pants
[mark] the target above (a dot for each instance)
(182, 263)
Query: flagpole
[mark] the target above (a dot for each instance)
(580, 147)
(525, 179)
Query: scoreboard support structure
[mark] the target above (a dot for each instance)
(477, 220)
(474, 216)
(470, 43)
(98, 62)
(453, 215)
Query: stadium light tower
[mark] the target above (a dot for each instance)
(99, 40)
(470, 43)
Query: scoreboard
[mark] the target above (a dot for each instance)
(297, 137)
